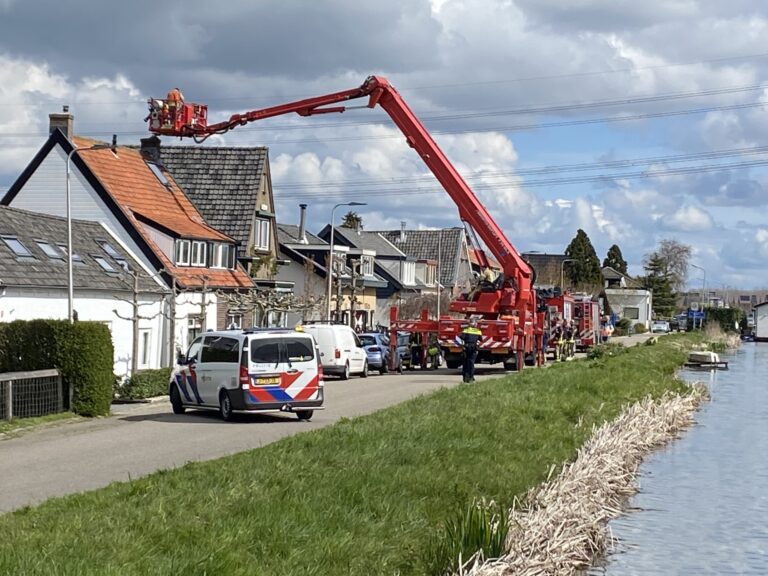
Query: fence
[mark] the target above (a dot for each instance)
(28, 394)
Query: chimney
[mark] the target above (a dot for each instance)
(63, 121)
(303, 224)
(402, 232)
(150, 150)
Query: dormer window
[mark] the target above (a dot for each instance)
(430, 278)
(182, 252)
(366, 265)
(222, 256)
(198, 254)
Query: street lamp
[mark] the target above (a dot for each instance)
(562, 271)
(703, 286)
(330, 256)
(70, 283)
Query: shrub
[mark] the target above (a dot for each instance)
(145, 384)
(622, 327)
(82, 352)
(607, 349)
(640, 328)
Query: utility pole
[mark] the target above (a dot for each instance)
(356, 265)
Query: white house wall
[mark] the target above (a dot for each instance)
(189, 304)
(761, 322)
(297, 273)
(45, 193)
(641, 299)
(92, 305)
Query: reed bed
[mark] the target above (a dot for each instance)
(562, 526)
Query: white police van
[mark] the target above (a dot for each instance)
(249, 371)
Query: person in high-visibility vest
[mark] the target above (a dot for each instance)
(470, 340)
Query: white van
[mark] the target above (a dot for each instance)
(249, 370)
(341, 352)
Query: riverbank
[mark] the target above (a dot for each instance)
(366, 496)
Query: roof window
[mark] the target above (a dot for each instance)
(109, 249)
(49, 250)
(159, 174)
(106, 266)
(76, 258)
(17, 247)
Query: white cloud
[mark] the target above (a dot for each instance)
(689, 218)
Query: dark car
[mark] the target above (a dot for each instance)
(376, 346)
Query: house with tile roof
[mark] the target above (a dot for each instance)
(232, 188)
(139, 201)
(34, 281)
(356, 284)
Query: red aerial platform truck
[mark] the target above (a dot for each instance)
(509, 315)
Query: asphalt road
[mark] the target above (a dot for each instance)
(139, 439)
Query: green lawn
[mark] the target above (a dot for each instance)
(365, 496)
(11, 427)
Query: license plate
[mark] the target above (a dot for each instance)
(268, 381)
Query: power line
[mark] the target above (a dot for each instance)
(542, 182)
(585, 166)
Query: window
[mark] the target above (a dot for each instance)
(194, 349)
(194, 327)
(261, 234)
(198, 254)
(182, 252)
(109, 249)
(409, 273)
(75, 256)
(158, 173)
(49, 250)
(631, 313)
(221, 349)
(106, 266)
(366, 265)
(276, 319)
(222, 256)
(431, 275)
(17, 247)
(299, 349)
(234, 321)
(144, 340)
(265, 351)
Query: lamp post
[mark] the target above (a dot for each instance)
(703, 288)
(330, 256)
(70, 283)
(562, 271)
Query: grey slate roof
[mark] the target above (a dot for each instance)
(423, 244)
(222, 182)
(365, 240)
(43, 271)
(289, 234)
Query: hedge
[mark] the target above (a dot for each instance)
(145, 384)
(82, 352)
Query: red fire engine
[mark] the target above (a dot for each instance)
(509, 317)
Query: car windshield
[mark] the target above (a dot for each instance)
(367, 340)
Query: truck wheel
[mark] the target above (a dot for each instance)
(452, 363)
(510, 365)
(225, 406)
(176, 403)
(304, 415)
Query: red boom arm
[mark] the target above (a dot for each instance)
(174, 117)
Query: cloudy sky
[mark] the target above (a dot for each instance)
(635, 121)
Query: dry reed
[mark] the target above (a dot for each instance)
(562, 526)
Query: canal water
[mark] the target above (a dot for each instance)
(703, 501)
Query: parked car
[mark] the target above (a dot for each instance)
(341, 352)
(376, 345)
(660, 326)
(247, 371)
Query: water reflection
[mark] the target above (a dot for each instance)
(703, 505)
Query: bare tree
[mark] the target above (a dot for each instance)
(266, 301)
(671, 258)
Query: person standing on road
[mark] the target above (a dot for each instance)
(470, 340)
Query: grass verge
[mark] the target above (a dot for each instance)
(18, 425)
(364, 496)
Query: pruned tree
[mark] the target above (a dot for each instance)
(615, 259)
(584, 268)
(264, 301)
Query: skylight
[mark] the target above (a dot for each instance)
(158, 173)
(106, 266)
(109, 249)
(49, 250)
(75, 256)
(17, 247)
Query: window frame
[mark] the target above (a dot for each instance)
(104, 264)
(183, 245)
(12, 241)
(198, 260)
(261, 234)
(145, 343)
